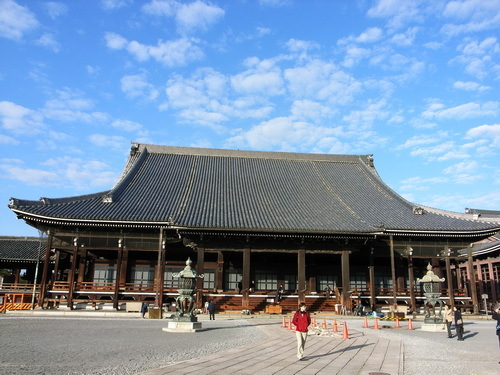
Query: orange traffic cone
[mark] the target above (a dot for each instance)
(283, 324)
(345, 333)
(376, 324)
(324, 324)
(290, 323)
(397, 323)
(410, 324)
(365, 324)
(335, 327)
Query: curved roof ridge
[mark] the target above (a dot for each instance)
(160, 149)
(135, 160)
(15, 202)
(463, 216)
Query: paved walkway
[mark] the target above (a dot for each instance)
(362, 353)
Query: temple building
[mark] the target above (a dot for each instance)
(324, 228)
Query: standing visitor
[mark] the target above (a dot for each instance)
(211, 309)
(279, 293)
(144, 309)
(448, 318)
(459, 324)
(301, 321)
(496, 316)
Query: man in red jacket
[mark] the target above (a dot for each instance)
(301, 321)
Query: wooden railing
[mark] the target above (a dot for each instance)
(11, 287)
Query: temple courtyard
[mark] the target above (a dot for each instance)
(88, 342)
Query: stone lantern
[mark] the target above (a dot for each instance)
(432, 292)
(184, 319)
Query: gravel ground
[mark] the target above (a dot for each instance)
(434, 353)
(92, 346)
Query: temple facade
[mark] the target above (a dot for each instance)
(323, 229)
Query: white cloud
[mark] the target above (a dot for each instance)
(197, 16)
(310, 110)
(47, 40)
(115, 4)
(400, 13)
(423, 140)
(370, 35)
(171, 53)
(420, 183)
(70, 106)
(470, 86)
(15, 20)
(56, 9)
(478, 15)
(489, 132)
(463, 111)
(127, 125)
(405, 39)
(478, 57)
(83, 174)
(285, 134)
(256, 81)
(30, 176)
(6, 140)
(20, 120)
(323, 81)
(135, 86)
(189, 17)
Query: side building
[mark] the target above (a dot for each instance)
(325, 228)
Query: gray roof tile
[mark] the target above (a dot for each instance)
(251, 191)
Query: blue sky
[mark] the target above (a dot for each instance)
(415, 83)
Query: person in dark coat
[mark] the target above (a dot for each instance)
(459, 324)
(301, 320)
(496, 316)
(144, 309)
(211, 310)
(448, 319)
(279, 293)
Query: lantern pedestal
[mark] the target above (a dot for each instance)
(183, 327)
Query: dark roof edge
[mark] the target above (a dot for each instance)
(15, 202)
(158, 149)
(160, 224)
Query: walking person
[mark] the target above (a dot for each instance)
(448, 319)
(144, 309)
(496, 316)
(301, 320)
(459, 324)
(211, 309)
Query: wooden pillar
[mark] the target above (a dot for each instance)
(493, 282)
(160, 271)
(71, 275)
(393, 270)
(371, 276)
(57, 262)
(119, 258)
(451, 294)
(82, 260)
(301, 275)
(346, 280)
(45, 271)
(246, 278)
(411, 277)
(200, 269)
(472, 280)
(219, 272)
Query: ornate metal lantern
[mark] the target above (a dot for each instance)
(187, 290)
(432, 292)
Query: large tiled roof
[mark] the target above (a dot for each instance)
(21, 249)
(229, 190)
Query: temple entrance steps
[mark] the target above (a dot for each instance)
(261, 303)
